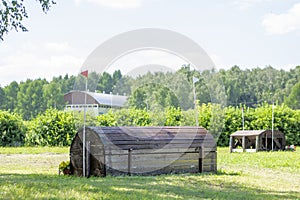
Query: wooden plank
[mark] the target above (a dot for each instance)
(230, 144)
(159, 151)
(159, 146)
(157, 157)
(200, 159)
(88, 159)
(155, 135)
(151, 165)
(165, 157)
(155, 140)
(277, 143)
(257, 143)
(244, 143)
(129, 161)
(173, 168)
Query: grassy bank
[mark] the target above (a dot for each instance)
(264, 175)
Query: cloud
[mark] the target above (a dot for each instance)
(279, 24)
(56, 46)
(117, 4)
(245, 4)
(33, 61)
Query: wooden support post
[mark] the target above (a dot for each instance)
(212, 161)
(266, 141)
(244, 143)
(215, 161)
(278, 145)
(257, 143)
(230, 144)
(88, 159)
(201, 158)
(129, 161)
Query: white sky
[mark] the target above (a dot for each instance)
(247, 33)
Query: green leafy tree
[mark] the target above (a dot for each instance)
(293, 100)
(13, 12)
(106, 83)
(2, 99)
(30, 98)
(11, 93)
(53, 96)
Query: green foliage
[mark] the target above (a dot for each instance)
(30, 99)
(11, 93)
(64, 165)
(285, 120)
(125, 117)
(173, 117)
(2, 99)
(12, 129)
(133, 117)
(13, 12)
(293, 100)
(79, 119)
(221, 122)
(157, 91)
(153, 96)
(33, 97)
(53, 128)
(107, 119)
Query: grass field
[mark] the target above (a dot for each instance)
(32, 173)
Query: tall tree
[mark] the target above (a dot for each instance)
(30, 98)
(2, 98)
(106, 83)
(293, 100)
(53, 96)
(11, 93)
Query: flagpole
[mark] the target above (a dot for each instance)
(273, 126)
(84, 134)
(243, 118)
(195, 101)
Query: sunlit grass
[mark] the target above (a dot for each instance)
(33, 150)
(263, 175)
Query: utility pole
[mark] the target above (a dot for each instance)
(195, 80)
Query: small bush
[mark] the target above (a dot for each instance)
(12, 129)
(53, 128)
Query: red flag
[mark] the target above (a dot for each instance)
(85, 73)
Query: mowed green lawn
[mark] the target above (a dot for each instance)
(32, 173)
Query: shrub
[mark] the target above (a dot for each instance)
(12, 129)
(53, 128)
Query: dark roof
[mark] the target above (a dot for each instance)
(248, 133)
(154, 137)
(254, 132)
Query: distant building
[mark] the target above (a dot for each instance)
(97, 103)
(256, 140)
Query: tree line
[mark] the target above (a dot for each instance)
(155, 91)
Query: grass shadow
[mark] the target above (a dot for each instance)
(183, 186)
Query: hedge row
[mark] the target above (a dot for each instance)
(57, 128)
